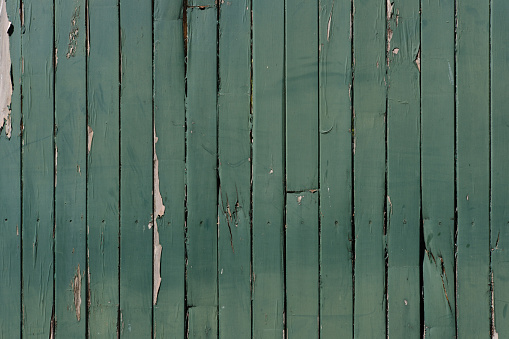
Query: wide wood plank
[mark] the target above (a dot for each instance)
(301, 80)
(201, 165)
(302, 267)
(369, 167)
(437, 166)
(336, 289)
(169, 121)
(403, 172)
(70, 168)
(234, 147)
(10, 179)
(472, 166)
(136, 185)
(268, 168)
(38, 168)
(103, 188)
(499, 166)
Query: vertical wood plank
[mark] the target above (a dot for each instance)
(10, 180)
(437, 158)
(70, 167)
(201, 164)
(38, 167)
(268, 168)
(136, 181)
(169, 120)
(499, 165)
(103, 167)
(403, 172)
(302, 265)
(234, 147)
(369, 167)
(473, 299)
(301, 95)
(336, 297)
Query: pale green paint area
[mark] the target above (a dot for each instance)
(437, 166)
(335, 65)
(302, 267)
(234, 147)
(403, 172)
(103, 173)
(369, 168)
(268, 169)
(472, 170)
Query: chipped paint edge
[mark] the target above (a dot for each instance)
(158, 212)
(5, 72)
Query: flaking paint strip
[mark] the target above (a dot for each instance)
(76, 288)
(158, 212)
(5, 72)
(90, 136)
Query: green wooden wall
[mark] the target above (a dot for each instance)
(254, 169)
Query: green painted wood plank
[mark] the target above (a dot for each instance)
(234, 153)
(38, 167)
(103, 168)
(10, 180)
(499, 165)
(169, 119)
(302, 265)
(369, 167)
(202, 322)
(268, 168)
(301, 76)
(336, 295)
(201, 164)
(70, 167)
(136, 156)
(403, 172)
(473, 299)
(202, 4)
(437, 166)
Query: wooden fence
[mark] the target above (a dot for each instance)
(254, 169)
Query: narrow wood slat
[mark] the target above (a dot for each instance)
(169, 120)
(136, 157)
(369, 168)
(336, 293)
(403, 172)
(302, 265)
(472, 55)
(499, 166)
(301, 80)
(234, 147)
(437, 166)
(10, 180)
(103, 168)
(201, 165)
(268, 168)
(38, 168)
(70, 169)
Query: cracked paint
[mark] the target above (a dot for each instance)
(158, 212)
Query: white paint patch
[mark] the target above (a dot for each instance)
(158, 212)
(90, 136)
(5, 72)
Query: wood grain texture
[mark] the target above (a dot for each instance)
(169, 120)
(136, 185)
(369, 168)
(472, 166)
(268, 168)
(437, 167)
(302, 267)
(301, 81)
(201, 165)
(10, 189)
(336, 284)
(403, 171)
(38, 168)
(234, 147)
(499, 165)
(103, 188)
